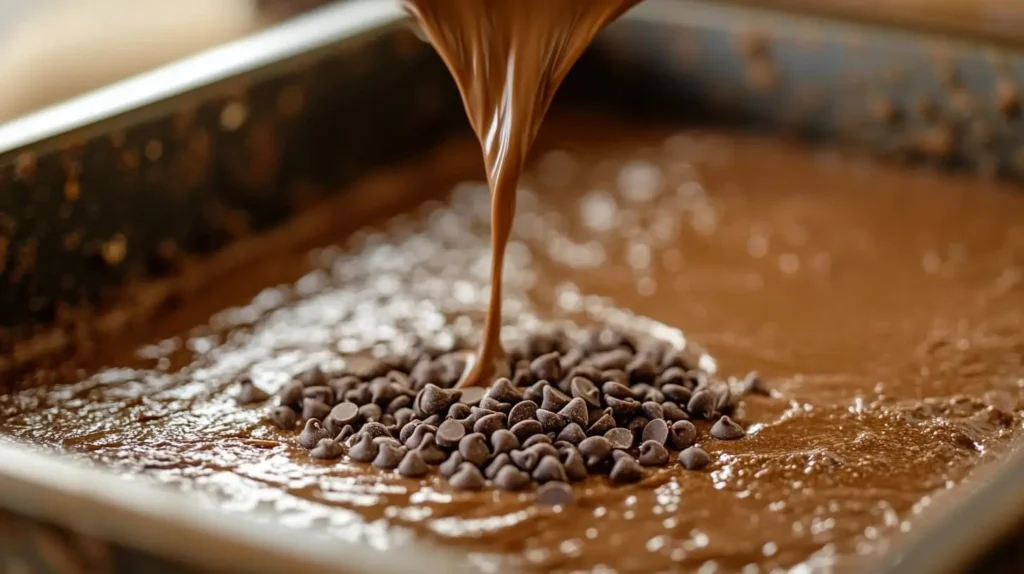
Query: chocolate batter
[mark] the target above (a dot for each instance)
(508, 59)
(883, 305)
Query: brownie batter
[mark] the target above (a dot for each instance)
(883, 305)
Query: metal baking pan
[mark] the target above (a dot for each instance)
(102, 196)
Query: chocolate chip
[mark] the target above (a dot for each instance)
(525, 459)
(365, 450)
(404, 416)
(702, 404)
(291, 395)
(652, 410)
(526, 410)
(677, 393)
(359, 395)
(547, 367)
(615, 376)
(499, 461)
(618, 455)
(398, 403)
(413, 465)
(572, 433)
(625, 471)
(327, 449)
(346, 432)
(727, 429)
(619, 438)
(312, 434)
(312, 377)
(636, 426)
(370, 412)
(283, 417)
(642, 369)
(551, 422)
(389, 456)
(671, 376)
(549, 469)
(472, 396)
(381, 391)
(478, 412)
(535, 392)
(601, 426)
(555, 494)
(467, 477)
(416, 438)
(582, 388)
(525, 429)
(654, 396)
(249, 393)
(754, 385)
(652, 453)
(575, 467)
(571, 359)
(314, 409)
(503, 391)
(433, 420)
(408, 429)
(725, 400)
(473, 448)
(656, 430)
(576, 412)
(554, 399)
(390, 441)
(429, 450)
(375, 430)
(450, 433)
(622, 408)
(542, 449)
(503, 441)
(495, 405)
(595, 449)
(615, 359)
(342, 385)
(694, 458)
(695, 379)
(673, 412)
(585, 371)
(424, 373)
(511, 479)
(682, 435)
(451, 466)
(460, 411)
(537, 439)
(616, 390)
(522, 377)
(434, 400)
(490, 423)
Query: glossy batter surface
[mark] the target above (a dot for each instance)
(884, 306)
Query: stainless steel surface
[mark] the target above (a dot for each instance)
(353, 64)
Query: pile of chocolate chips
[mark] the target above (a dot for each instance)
(605, 405)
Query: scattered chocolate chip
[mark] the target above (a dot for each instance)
(312, 377)
(473, 448)
(576, 412)
(460, 411)
(503, 391)
(381, 391)
(490, 423)
(346, 432)
(365, 450)
(342, 385)
(616, 359)
(653, 396)
(390, 441)
(702, 404)
(525, 429)
(677, 393)
(524, 459)
(671, 376)
(408, 429)
(601, 425)
(625, 471)
(504, 441)
(359, 395)
(642, 369)
(478, 412)
(572, 433)
(291, 395)
(526, 410)
(595, 449)
(472, 395)
(429, 450)
(496, 465)
(695, 379)
(727, 429)
(682, 434)
(622, 408)
(673, 412)
(434, 400)
(725, 401)
(327, 449)
(549, 469)
(619, 438)
(554, 399)
(551, 422)
(250, 394)
(546, 367)
(656, 430)
(571, 359)
(375, 430)
(616, 390)
(694, 458)
(389, 456)
(403, 417)
(450, 466)
(575, 467)
(636, 426)
(585, 389)
(314, 409)
(413, 465)
(614, 376)
(398, 403)
(537, 439)
(370, 412)
(620, 454)
(754, 385)
(416, 438)
(535, 392)
(467, 477)
(450, 433)
(652, 410)
(312, 434)
(283, 417)
(511, 479)
(495, 405)
(652, 453)
(433, 420)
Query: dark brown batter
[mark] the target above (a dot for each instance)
(508, 59)
(883, 305)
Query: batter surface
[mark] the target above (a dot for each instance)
(884, 306)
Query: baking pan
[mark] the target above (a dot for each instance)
(106, 198)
